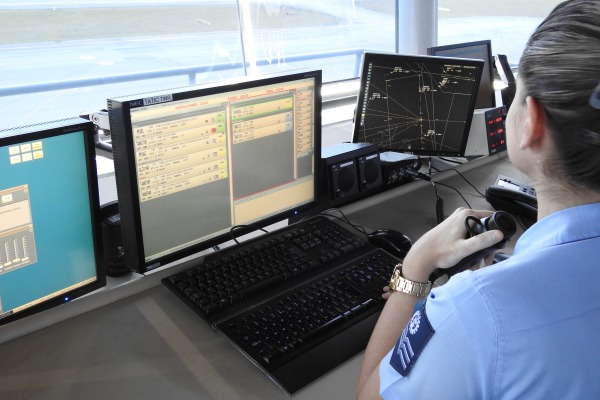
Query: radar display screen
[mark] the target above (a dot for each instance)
(419, 105)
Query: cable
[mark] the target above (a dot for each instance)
(344, 219)
(439, 202)
(428, 177)
(466, 180)
(420, 175)
(457, 191)
(430, 164)
(451, 161)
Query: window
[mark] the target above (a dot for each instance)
(508, 24)
(60, 59)
(75, 54)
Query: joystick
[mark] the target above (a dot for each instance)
(499, 220)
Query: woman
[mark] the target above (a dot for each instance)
(528, 327)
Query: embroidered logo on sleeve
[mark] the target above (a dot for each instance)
(415, 336)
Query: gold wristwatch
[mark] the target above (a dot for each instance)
(401, 284)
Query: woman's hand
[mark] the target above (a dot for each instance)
(446, 244)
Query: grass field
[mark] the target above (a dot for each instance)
(62, 24)
(469, 8)
(28, 26)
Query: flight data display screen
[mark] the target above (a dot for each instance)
(208, 161)
(417, 104)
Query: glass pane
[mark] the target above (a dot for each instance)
(58, 60)
(315, 34)
(74, 55)
(507, 23)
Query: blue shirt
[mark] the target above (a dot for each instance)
(525, 328)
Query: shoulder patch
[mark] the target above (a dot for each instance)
(415, 336)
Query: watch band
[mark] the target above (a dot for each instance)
(401, 284)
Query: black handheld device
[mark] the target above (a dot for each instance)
(499, 220)
(514, 197)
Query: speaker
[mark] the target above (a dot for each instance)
(351, 171)
(343, 179)
(369, 171)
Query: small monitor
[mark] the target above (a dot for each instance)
(49, 205)
(191, 164)
(421, 105)
(481, 50)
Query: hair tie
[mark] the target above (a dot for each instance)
(595, 98)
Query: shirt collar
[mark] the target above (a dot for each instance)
(568, 225)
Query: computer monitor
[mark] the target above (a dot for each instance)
(421, 105)
(481, 50)
(49, 249)
(193, 163)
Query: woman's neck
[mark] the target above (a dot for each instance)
(553, 197)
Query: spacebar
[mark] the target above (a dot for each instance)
(335, 322)
(265, 284)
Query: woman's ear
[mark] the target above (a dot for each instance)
(536, 124)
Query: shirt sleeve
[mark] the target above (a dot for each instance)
(459, 359)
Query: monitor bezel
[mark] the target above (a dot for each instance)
(12, 136)
(367, 57)
(126, 176)
(434, 51)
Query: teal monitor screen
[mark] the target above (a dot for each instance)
(48, 208)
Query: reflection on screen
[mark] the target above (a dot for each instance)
(207, 160)
(480, 50)
(47, 248)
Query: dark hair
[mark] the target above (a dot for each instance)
(560, 68)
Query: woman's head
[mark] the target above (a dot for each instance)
(560, 68)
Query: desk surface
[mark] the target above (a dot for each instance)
(150, 345)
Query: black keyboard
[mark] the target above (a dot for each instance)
(298, 301)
